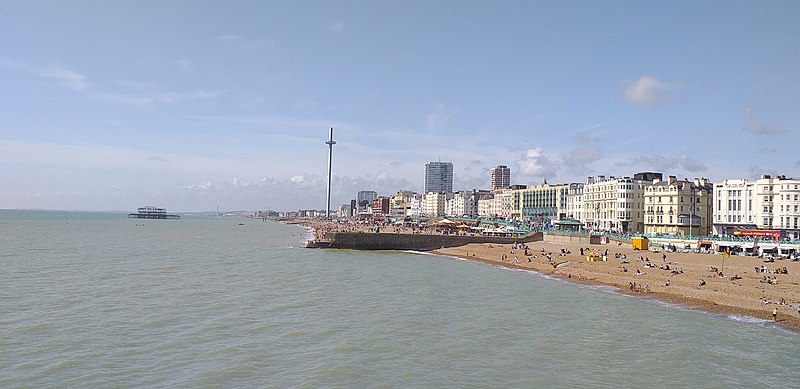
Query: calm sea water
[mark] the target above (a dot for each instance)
(99, 300)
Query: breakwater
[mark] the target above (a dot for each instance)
(418, 242)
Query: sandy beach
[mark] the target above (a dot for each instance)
(690, 279)
(740, 290)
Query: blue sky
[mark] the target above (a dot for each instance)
(193, 105)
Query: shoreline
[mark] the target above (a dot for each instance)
(729, 304)
(733, 286)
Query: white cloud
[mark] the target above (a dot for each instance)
(66, 78)
(535, 164)
(202, 187)
(158, 98)
(337, 27)
(755, 127)
(660, 163)
(6, 63)
(649, 91)
(588, 151)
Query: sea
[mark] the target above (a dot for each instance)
(97, 300)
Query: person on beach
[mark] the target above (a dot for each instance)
(775, 314)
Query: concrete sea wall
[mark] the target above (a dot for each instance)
(392, 241)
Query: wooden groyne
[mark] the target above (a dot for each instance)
(416, 242)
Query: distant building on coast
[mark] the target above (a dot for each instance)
(439, 177)
(434, 203)
(501, 177)
(465, 203)
(363, 202)
(366, 196)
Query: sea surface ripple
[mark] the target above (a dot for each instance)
(99, 300)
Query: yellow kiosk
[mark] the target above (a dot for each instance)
(640, 243)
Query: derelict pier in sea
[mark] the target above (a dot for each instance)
(151, 212)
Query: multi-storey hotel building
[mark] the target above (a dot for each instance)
(575, 201)
(542, 204)
(439, 177)
(785, 204)
(678, 207)
(768, 203)
(501, 177)
(498, 204)
(616, 204)
(733, 206)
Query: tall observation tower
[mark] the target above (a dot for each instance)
(330, 144)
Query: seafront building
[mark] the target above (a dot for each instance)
(616, 204)
(733, 206)
(770, 203)
(439, 177)
(401, 203)
(498, 204)
(465, 203)
(366, 196)
(574, 209)
(678, 207)
(434, 203)
(541, 204)
(501, 177)
(642, 204)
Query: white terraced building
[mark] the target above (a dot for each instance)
(616, 204)
(767, 203)
(575, 201)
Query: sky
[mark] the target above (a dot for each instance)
(194, 105)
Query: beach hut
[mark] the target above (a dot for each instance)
(640, 242)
